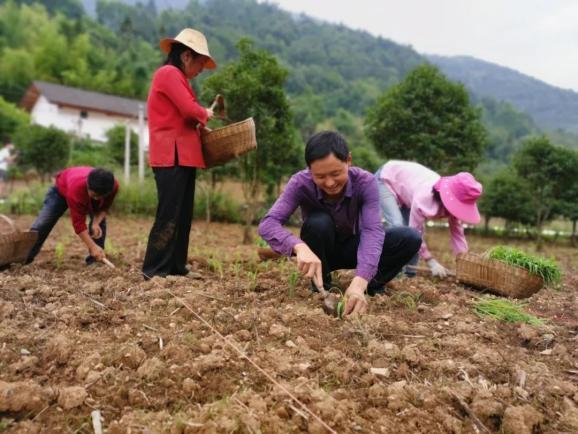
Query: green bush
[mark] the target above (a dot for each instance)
(11, 118)
(44, 149)
(142, 200)
(115, 144)
(27, 200)
(134, 199)
(223, 208)
(87, 153)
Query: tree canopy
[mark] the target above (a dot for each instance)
(427, 118)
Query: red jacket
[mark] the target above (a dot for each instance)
(173, 117)
(71, 184)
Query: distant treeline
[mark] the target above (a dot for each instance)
(335, 73)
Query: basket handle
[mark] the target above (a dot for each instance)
(219, 106)
(10, 223)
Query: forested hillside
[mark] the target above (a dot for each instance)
(335, 73)
(551, 107)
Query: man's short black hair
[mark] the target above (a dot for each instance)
(324, 143)
(101, 181)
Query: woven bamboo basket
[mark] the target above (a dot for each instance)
(226, 143)
(497, 276)
(15, 244)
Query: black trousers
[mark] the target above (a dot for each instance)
(168, 243)
(54, 207)
(337, 251)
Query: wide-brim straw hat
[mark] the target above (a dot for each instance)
(193, 39)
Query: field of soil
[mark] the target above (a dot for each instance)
(76, 339)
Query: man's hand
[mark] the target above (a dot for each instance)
(96, 231)
(309, 264)
(210, 113)
(355, 297)
(97, 252)
(437, 269)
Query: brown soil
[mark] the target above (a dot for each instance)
(74, 339)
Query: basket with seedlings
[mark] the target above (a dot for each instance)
(507, 271)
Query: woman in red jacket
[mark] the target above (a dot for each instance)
(174, 119)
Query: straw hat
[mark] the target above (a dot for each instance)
(193, 39)
(459, 194)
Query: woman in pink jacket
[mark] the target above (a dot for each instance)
(410, 194)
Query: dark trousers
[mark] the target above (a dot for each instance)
(54, 207)
(168, 243)
(337, 251)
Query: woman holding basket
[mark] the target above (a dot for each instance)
(174, 119)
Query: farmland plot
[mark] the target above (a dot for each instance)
(76, 339)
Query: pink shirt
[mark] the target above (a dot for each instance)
(412, 185)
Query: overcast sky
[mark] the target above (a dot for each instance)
(536, 37)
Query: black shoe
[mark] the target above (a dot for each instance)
(375, 288)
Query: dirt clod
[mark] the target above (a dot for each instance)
(522, 419)
(71, 397)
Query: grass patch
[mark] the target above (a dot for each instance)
(409, 300)
(505, 310)
(546, 268)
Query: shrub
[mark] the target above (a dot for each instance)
(87, 153)
(115, 144)
(11, 118)
(44, 149)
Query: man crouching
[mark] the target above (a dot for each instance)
(342, 226)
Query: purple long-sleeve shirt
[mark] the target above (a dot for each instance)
(357, 212)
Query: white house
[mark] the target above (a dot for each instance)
(81, 112)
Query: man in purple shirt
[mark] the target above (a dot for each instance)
(342, 223)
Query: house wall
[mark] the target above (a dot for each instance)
(94, 126)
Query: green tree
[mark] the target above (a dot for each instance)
(41, 148)
(568, 204)
(429, 119)
(549, 171)
(365, 157)
(11, 118)
(253, 86)
(115, 138)
(509, 197)
(70, 8)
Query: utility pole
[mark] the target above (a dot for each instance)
(127, 154)
(140, 143)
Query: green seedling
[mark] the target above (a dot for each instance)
(340, 309)
(59, 255)
(333, 301)
(505, 310)
(235, 268)
(5, 423)
(283, 263)
(407, 299)
(293, 280)
(216, 266)
(546, 268)
(252, 276)
(111, 248)
(261, 242)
